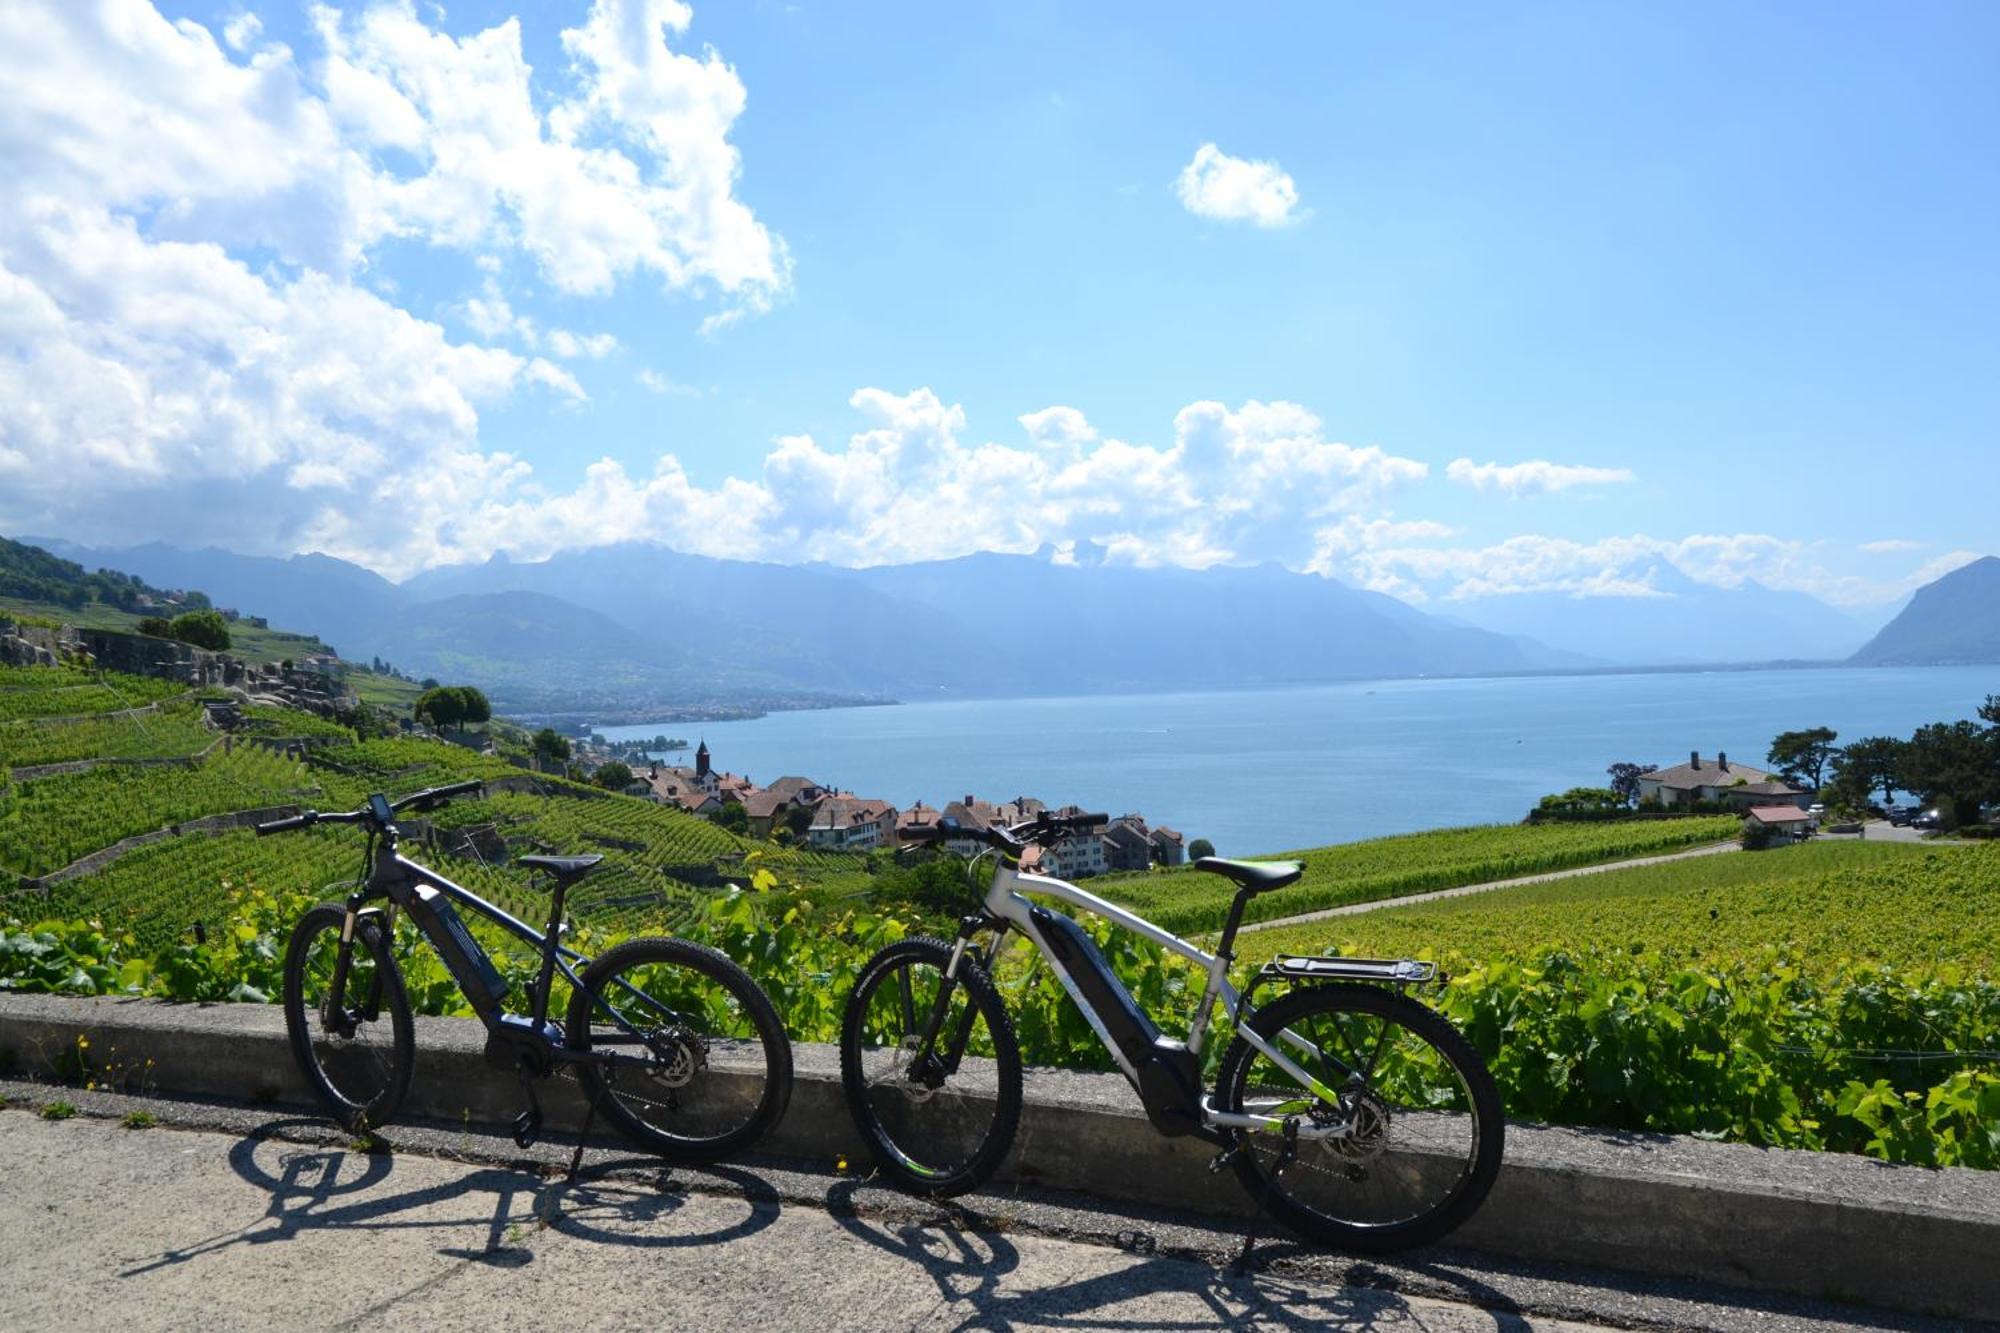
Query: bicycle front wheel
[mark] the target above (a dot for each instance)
(1415, 1126)
(939, 1115)
(717, 1065)
(356, 1054)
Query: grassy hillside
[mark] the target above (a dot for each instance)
(1186, 900)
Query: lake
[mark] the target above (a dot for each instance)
(1267, 770)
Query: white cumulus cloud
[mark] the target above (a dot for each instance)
(192, 344)
(1234, 189)
(1537, 476)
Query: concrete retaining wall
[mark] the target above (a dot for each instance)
(1811, 1223)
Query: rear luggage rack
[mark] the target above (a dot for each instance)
(1395, 972)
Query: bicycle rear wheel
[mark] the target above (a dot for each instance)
(719, 1065)
(357, 1055)
(937, 1117)
(1423, 1130)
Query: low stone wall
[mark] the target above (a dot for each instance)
(208, 826)
(1817, 1224)
(34, 771)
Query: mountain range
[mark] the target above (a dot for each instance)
(1952, 619)
(1679, 622)
(638, 629)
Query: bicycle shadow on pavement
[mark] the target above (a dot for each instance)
(980, 1277)
(316, 1185)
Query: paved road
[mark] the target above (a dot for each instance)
(168, 1228)
(1462, 890)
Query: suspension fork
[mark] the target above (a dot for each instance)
(947, 1061)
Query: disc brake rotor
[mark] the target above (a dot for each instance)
(1367, 1137)
(681, 1055)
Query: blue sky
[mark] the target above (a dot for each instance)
(1744, 254)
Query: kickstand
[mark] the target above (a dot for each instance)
(528, 1124)
(583, 1136)
(1285, 1156)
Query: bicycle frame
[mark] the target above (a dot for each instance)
(1007, 908)
(426, 897)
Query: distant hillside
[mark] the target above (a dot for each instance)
(31, 574)
(624, 627)
(1953, 619)
(1680, 622)
(1095, 626)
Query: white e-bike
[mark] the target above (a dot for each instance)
(1351, 1111)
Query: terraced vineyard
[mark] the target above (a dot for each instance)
(159, 892)
(47, 823)
(659, 863)
(175, 729)
(32, 692)
(1185, 900)
(1822, 906)
(289, 723)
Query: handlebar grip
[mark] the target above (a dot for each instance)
(281, 825)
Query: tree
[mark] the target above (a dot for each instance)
(440, 706)
(445, 706)
(1625, 781)
(613, 776)
(1199, 848)
(203, 629)
(475, 705)
(550, 744)
(1801, 757)
(156, 626)
(798, 819)
(1953, 764)
(732, 816)
(1869, 765)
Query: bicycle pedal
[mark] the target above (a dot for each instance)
(527, 1129)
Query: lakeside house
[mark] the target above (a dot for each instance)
(849, 823)
(1717, 781)
(768, 807)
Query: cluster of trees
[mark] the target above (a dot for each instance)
(203, 629)
(445, 706)
(1953, 765)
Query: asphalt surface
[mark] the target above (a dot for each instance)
(241, 1217)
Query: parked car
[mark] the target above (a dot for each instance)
(1928, 819)
(1900, 815)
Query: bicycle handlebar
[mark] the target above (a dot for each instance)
(1011, 840)
(426, 799)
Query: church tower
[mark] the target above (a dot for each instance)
(701, 761)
